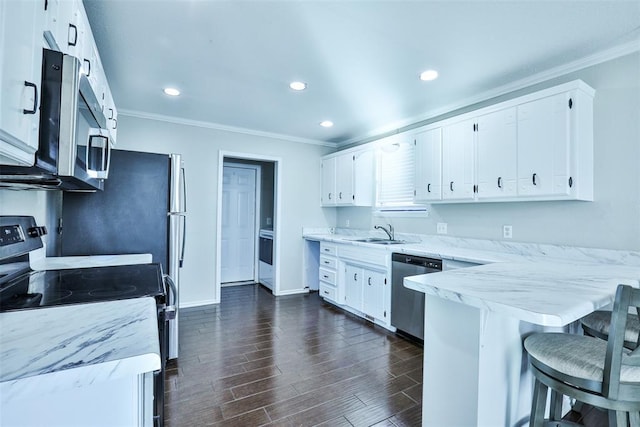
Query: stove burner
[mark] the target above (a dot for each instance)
(116, 291)
(113, 275)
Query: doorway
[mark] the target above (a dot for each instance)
(234, 174)
(240, 205)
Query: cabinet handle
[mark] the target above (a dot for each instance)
(35, 98)
(115, 124)
(533, 179)
(326, 292)
(111, 111)
(451, 185)
(429, 188)
(355, 277)
(329, 196)
(570, 182)
(499, 182)
(340, 195)
(75, 35)
(369, 281)
(325, 276)
(327, 262)
(89, 67)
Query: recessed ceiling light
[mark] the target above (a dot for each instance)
(326, 123)
(171, 91)
(298, 85)
(428, 75)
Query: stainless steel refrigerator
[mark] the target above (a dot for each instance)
(142, 209)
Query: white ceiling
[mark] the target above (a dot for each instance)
(233, 60)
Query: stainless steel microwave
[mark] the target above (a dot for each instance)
(74, 144)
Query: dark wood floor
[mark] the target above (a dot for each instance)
(256, 360)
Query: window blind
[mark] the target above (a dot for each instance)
(396, 168)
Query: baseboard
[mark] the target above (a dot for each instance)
(199, 303)
(292, 292)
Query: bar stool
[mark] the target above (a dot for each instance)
(601, 373)
(597, 325)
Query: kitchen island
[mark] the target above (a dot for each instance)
(82, 364)
(476, 372)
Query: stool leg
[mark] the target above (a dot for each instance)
(555, 410)
(539, 404)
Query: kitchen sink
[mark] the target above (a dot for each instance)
(380, 241)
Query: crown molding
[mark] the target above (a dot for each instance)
(220, 127)
(559, 71)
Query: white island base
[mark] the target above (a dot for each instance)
(476, 372)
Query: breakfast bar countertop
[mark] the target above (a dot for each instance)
(549, 293)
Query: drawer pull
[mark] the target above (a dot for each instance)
(325, 276)
(326, 292)
(327, 262)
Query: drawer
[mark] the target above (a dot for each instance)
(328, 262)
(328, 276)
(328, 292)
(328, 249)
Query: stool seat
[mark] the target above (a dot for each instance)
(597, 324)
(600, 372)
(575, 358)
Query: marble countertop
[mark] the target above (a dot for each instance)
(76, 345)
(544, 284)
(38, 261)
(549, 294)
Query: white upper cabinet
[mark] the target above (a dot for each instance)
(496, 142)
(328, 181)
(428, 171)
(458, 160)
(555, 146)
(21, 43)
(63, 28)
(348, 179)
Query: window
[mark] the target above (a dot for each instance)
(395, 176)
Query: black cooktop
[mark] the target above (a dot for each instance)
(37, 289)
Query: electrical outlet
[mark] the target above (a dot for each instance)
(441, 228)
(507, 231)
(347, 223)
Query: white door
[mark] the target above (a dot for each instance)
(238, 224)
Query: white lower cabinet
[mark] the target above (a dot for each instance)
(357, 279)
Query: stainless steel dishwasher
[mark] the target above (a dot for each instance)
(407, 305)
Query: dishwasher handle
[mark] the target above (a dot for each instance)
(419, 261)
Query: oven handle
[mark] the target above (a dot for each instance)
(170, 309)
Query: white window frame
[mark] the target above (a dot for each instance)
(402, 207)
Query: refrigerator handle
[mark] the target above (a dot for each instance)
(172, 301)
(184, 239)
(184, 217)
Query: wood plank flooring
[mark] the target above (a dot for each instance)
(257, 360)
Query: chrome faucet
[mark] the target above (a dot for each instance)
(389, 231)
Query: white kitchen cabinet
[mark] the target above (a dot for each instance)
(328, 273)
(373, 294)
(496, 142)
(21, 45)
(62, 26)
(555, 146)
(458, 160)
(111, 113)
(428, 170)
(353, 276)
(348, 179)
(328, 181)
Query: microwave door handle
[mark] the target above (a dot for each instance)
(172, 297)
(105, 155)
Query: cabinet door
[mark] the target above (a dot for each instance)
(21, 45)
(61, 25)
(353, 286)
(457, 161)
(428, 172)
(329, 181)
(496, 141)
(364, 178)
(373, 292)
(344, 179)
(543, 146)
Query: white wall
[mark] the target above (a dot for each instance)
(611, 221)
(299, 172)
